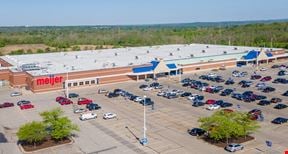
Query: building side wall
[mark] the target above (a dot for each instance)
(17, 79)
(278, 52)
(32, 81)
(4, 75)
(114, 79)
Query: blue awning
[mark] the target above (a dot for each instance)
(171, 66)
(142, 69)
(253, 54)
(150, 68)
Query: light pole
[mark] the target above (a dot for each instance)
(144, 140)
(66, 85)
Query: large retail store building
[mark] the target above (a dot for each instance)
(52, 71)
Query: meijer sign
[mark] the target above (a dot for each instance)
(49, 80)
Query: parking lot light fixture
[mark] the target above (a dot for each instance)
(66, 85)
(144, 140)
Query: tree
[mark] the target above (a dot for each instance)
(62, 128)
(222, 125)
(59, 127)
(32, 133)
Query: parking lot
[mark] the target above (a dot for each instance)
(167, 123)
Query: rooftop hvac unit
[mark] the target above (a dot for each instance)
(95, 61)
(207, 46)
(191, 55)
(136, 57)
(171, 54)
(147, 51)
(130, 63)
(235, 48)
(113, 64)
(178, 49)
(116, 54)
(224, 52)
(72, 68)
(76, 56)
(203, 51)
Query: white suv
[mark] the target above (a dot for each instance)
(87, 116)
(234, 147)
(109, 115)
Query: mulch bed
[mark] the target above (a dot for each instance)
(45, 144)
(222, 143)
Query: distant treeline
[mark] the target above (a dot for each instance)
(272, 34)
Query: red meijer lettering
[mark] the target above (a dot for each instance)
(50, 80)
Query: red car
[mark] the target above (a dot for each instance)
(6, 104)
(58, 99)
(210, 101)
(65, 101)
(266, 78)
(84, 101)
(26, 106)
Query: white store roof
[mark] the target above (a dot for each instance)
(61, 62)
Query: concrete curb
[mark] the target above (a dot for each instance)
(23, 151)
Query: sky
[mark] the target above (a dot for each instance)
(130, 12)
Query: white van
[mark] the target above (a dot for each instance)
(87, 116)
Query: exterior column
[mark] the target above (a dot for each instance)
(145, 76)
(137, 78)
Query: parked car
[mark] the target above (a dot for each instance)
(255, 77)
(282, 73)
(93, 106)
(232, 147)
(6, 104)
(80, 110)
(275, 100)
(26, 106)
(279, 120)
(84, 101)
(226, 92)
(102, 91)
(280, 80)
(285, 94)
(109, 115)
(13, 94)
(65, 101)
(87, 116)
(255, 114)
(23, 102)
(280, 106)
(210, 101)
(268, 89)
(147, 101)
(148, 88)
(229, 81)
(213, 107)
(186, 94)
(226, 104)
(198, 103)
(138, 99)
(264, 102)
(59, 98)
(112, 94)
(196, 131)
(263, 69)
(266, 78)
(73, 95)
(142, 86)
